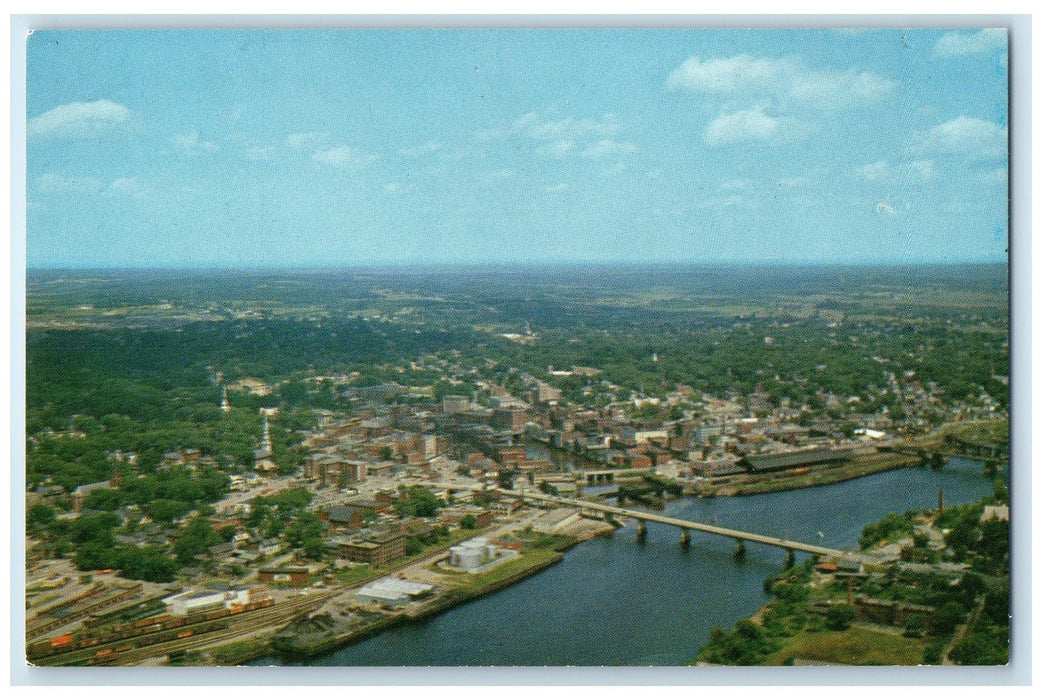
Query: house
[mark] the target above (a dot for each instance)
(221, 551)
(345, 517)
(995, 513)
(269, 546)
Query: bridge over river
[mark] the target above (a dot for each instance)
(686, 526)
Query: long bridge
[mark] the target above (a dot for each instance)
(642, 518)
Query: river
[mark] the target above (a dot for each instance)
(617, 601)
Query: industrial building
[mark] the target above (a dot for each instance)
(392, 591)
(195, 601)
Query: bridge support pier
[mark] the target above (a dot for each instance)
(739, 549)
(642, 529)
(790, 558)
(685, 537)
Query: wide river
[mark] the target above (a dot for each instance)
(617, 601)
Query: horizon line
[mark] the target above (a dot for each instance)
(314, 267)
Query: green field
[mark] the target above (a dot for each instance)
(860, 646)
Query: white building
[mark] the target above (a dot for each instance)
(192, 601)
(472, 553)
(392, 591)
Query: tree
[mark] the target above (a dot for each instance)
(194, 539)
(103, 499)
(419, 501)
(840, 617)
(166, 510)
(314, 548)
(93, 556)
(915, 625)
(306, 527)
(146, 564)
(469, 522)
(981, 649)
(40, 515)
(1000, 490)
(947, 618)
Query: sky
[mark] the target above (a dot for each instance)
(278, 148)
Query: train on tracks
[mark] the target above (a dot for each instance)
(142, 633)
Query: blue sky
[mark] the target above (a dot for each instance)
(296, 148)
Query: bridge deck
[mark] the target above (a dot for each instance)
(686, 524)
(675, 522)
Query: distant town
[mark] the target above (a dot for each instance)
(319, 508)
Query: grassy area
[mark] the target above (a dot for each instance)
(238, 652)
(528, 560)
(354, 574)
(978, 432)
(538, 551)
(858, 646)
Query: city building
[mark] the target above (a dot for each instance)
(392, 591)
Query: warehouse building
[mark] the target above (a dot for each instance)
(392, 591)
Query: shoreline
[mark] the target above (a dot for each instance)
(456, 597)
(452, 598)
(776, 484)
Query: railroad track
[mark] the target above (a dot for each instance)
(238, 625)
(275, 616)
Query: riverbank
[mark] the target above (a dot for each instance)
(328, 631)
(521, 624)
(298, 644)
(902, 614)
(748, 485)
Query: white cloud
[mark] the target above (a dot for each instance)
(570, 128)
(923, 168)
(998, 176)
(732, 200)
(343, 157)
(259, 152)
(392, 187)
(739, 183)
(125, 187)
(745, 125)
(559, 148)
(559, 187)
(308, 139)
(120, 187)
(500, 175)
(787, 81)
(567, 136)
(192, 145)
(885, 209)
(963, 43)
(79, 120)
(424, 149)
(794, 182)
(881, 171)
(607, 147)
(875, 171)
(968, 135)
(55, 182)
